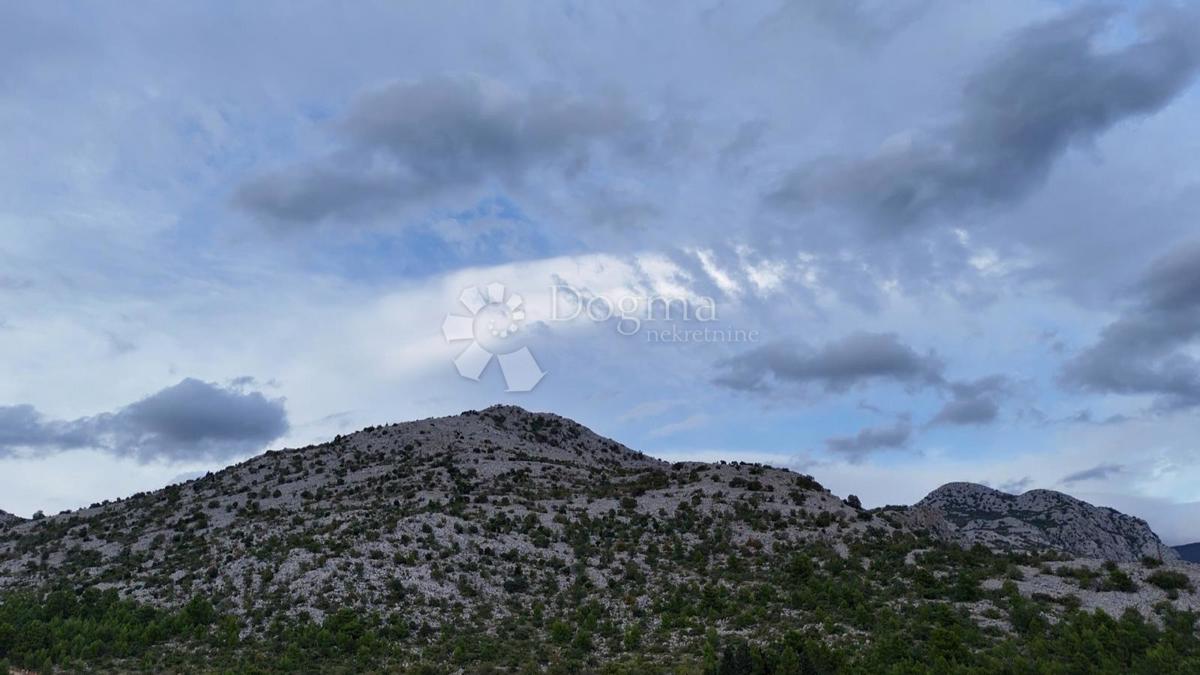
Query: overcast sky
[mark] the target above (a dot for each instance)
(931, 241)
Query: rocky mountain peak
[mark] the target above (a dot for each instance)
(457, 509)
(1040, 520)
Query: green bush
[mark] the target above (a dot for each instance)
(1118, 581)
(1169, 580)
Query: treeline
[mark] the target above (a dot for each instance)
(39, 631)
(885, 617)
(940, 642)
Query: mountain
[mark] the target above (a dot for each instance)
(1189, 552)
(1040, 520)
(456, 509)
(508, 540)
(8, 518)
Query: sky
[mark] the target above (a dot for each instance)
(890, 244)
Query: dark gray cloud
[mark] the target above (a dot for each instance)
(837, 366)
(415, 140)
(24, 426)
(1055, 84)
(749, 137)
(864, 22)
(1016, 486)
(190, 420)
(973, 402)
(1099, 472)
(967, 412)
(1172, 283)
(869, 440)
(1142, 352)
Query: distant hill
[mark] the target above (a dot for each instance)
(1041, 520)
(1189, 552)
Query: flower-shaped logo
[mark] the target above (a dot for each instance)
(495, 316)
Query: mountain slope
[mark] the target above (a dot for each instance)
(449, 510)
(8, 518)
(1040, 520)
(1189, 552)
(513, 541)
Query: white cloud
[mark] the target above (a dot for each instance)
(690, 423)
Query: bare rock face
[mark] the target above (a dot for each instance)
(7, 518)
(1038, 520)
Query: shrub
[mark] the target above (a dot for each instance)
(1169, 581)
(1119, 581)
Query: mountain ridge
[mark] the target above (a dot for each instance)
(959, 511)
(503, 523)
(1189, 552)
(1041, 520)
(384, 499)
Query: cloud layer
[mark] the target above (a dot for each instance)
(857, 447)
(188, 421)
(836, 366)
(899, 197)
(411, 142)
(1054, 85)
(1145, 351)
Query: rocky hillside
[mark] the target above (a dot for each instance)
(1038, 520)
(464, 510)
(508, 540)
(8, 518)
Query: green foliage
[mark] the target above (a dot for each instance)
(933, 641)
(1118, 581)
(1169, 580)
(62, 627)
(95, 630)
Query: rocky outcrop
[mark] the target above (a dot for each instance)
(1038, 520)
(7, 518)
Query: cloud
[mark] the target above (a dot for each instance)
(8, 283)
(420, 139)
(967, 412)
(24, 426)
(1099, 472)
(837, 366)
(1142, 352)
(1016, 486)
(865, 22)
(649, 409)
(1055, 85)
(974, 402)
(869, 440)
(689, 423)
(188, 421)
